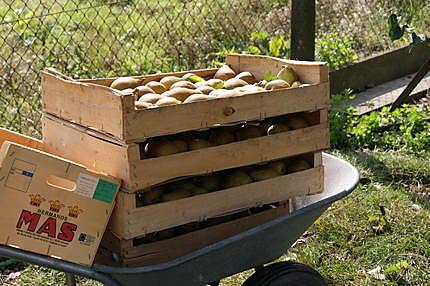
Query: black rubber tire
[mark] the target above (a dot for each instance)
(286, 274)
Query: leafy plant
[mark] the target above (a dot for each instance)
(335, 50)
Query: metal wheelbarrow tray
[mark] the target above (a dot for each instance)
(246, 250)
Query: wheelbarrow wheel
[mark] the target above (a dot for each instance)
(286, 274)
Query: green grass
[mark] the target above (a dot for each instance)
(341, 244)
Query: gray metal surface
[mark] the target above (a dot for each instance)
(254, 247)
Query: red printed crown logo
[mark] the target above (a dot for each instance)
(74, 211)
(36, 200)
(55, 205)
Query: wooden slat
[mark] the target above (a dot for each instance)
(84, 103)
(140, 124)
(6, 135)
(132, 223)
(168, 249)
(72, 142)
(308, 72)
(262, 149)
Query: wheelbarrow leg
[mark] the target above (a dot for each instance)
(70, 279)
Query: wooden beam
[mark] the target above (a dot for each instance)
(303, 30)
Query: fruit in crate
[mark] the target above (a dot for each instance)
(163, 147)
(224, 73)
(183, 83)
(122, 83)
(181, 93)
(247, 76)
(287, 74)
(167, 101)
(180, 185)
(211, 183)
(143, 105)
(233, 83)
(224, 93)
(276, 84)
(236, 178)
(142, 90)
(156, 86)
(296, 84)
(248, 132)
(279, 167)
(198, 97)
(296, 123)
(199, 191)
(215, 83)
(249, 88)
(296, 165)
(150, 98)
(168, 81)
(176, 194)
(221, 136)
(205, 89)
(193, 78)
(198, 143)
(151, 196)
(263, 173)
(277, 128)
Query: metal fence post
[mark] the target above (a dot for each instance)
(303, 30)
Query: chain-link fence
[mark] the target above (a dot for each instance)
(109, 38)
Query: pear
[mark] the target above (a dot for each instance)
(126, 91)
(150, 98)
(168, 81)
(142, 90)
(223, 93)
(246, 76)
(236, 178)
(276, 84)
(143, 105)
(225, 73)
(262, 83)
(199, 191)
(197, 144)
(122, 83)
(279, 167)
(247, 89)
(248, 132)
(277, 128)
(182, 185)
(163, 147)
(296, 123)
(210, 182)
(183, 83)
(215, 83)
(181, 93)
(198, 97)
(156, 87)
(205, 89)
(193, 78)
(151, 196)
(166, 101)
(263, 173)
(296, 84)
(287, 73)
(221, 136)
(233, 83)
(176, 194)
(296, 165)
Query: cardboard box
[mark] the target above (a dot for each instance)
(52, 206)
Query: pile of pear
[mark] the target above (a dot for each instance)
(220, 181)
(173, 90)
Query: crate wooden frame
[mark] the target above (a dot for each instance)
(91, 103)
(129, 220)
(92, 149)
(168, 249)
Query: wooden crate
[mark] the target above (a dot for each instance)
(50, 205)
(130, 220)
(100, 153)
(93, 104)
(133, 253)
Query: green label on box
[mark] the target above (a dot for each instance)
(105, 191)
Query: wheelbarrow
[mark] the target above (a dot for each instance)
(247, 250)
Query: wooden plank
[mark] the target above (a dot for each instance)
(248, 152)
(168, 249)
(84, 103)
(308, 72)
(72, 142)
(381, 68)
(6, 135)
(140, 221)
(139, 124)
(385, 94)
(45, 204)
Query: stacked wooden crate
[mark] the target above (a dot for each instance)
(99, 127)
